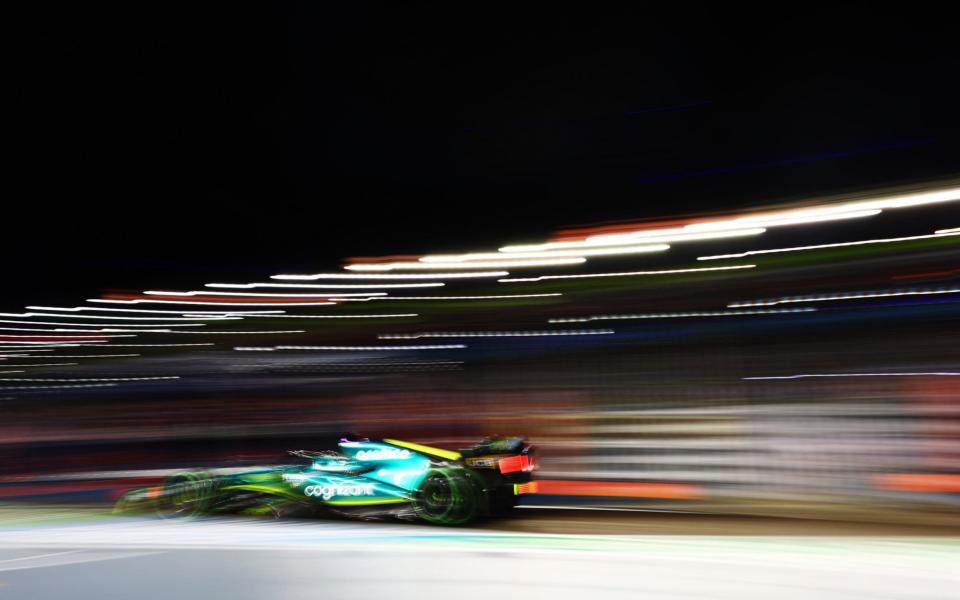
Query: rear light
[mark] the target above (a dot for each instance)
(514, 464)
(526, 488)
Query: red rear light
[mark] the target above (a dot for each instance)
(514, 464)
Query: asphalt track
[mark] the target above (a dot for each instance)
(50, 555)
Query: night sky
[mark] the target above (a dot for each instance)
(171, 145)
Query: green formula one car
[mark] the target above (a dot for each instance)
(364, 478)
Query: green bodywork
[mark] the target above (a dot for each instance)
(362, 474)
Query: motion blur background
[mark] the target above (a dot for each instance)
(774, 335)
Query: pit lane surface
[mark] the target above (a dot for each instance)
(101, 557)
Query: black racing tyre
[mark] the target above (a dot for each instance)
(186, 495)
(448, 496)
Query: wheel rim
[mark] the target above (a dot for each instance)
(446, 498)
(438, 497)
(182, 496)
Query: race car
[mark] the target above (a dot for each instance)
(363, 478)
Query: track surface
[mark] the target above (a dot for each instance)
(50, 555)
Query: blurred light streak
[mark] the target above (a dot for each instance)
(70, 364)
(481, 334)
(56, 387)
(812, 375)
(103, 330)
(21, 371)
(681, 315)
(349, 348)
(350, 286)
(104, 324)
(839, 210)
(49, 344)
(86, 379)
(945, 231)
(63, 338)
(157, 345)
(200, 313)
(384, 316)
(661, 235)
(152, 301)
(506, 262)
(260, 294)
(492, 297)
(628, 273)
(823, 246)
(937, 483)
(556, 487)
(43, 348)
(314, 277)
(928, 274)
(477, 256)
(33, 314)
(806, 215)
(86, 355)
(844, 296)
(801, 217)
(237, 332)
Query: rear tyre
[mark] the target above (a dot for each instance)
(447, 497)
(186, 495)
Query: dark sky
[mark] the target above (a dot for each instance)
(168, 145)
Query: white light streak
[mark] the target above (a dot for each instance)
(110, 330)
(54, 344)
(93, 337)
(485, 334)
(846, 296)
(506, 262)
(799, 217)
(673, 234)
(479, 256)
(152, 301)
(754, 224)
(215, 313)
(260, 294)
(348, 286)
(494, 297)
(28, 315)
(350, 348)
(952, 230)
(411, 276)
(627, 273)
(103, 324)
(823, 246)
(681, 315)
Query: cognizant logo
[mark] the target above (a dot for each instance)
(329, 491)
(383, 454)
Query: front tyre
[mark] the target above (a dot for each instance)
(186, 495)
(447, 497)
